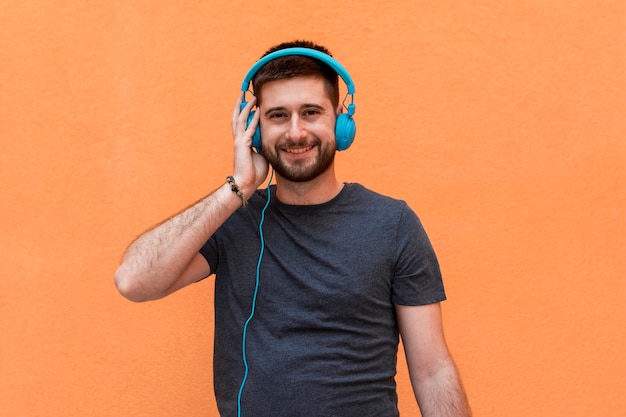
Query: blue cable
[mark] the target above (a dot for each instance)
(254, 297)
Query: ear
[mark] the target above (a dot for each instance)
(339, 109)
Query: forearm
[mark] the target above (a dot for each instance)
(166, 258)
(440, 392)
(155, 261)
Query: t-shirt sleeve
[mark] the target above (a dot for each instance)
(417, 278)
(210, 252)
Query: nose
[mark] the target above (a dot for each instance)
(296, 129)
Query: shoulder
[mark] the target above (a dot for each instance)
(371, 200)
(356, 190)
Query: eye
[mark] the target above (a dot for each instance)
(311, 112)
(277, 115)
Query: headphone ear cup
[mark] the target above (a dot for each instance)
(256, 137)
(345, 131)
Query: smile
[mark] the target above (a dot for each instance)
(298, 150)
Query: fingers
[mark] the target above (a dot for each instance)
(247, 167)
(236, 111)
(254, 122)
(240, 116)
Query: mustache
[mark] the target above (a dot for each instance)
(290, 143)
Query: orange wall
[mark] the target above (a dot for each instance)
(502, 123)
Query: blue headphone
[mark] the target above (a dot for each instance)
(345, 127)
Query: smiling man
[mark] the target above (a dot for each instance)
(298, 128)
(315, 279)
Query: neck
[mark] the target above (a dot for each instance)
(317, 191)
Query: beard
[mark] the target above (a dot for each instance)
(301, 171)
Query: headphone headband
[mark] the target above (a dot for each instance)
(312, 53)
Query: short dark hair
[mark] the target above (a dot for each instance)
(292, 66)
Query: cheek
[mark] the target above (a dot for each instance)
(268, 130)
(322, 128)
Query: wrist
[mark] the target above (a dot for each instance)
(234, 187)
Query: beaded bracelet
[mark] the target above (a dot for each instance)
(233, 186)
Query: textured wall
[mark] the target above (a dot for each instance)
(502, 123)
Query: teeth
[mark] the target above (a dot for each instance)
(298, 150)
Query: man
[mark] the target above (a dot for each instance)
(315, 278)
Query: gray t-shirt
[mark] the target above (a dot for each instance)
(323, 340)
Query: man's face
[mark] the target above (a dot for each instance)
(297, 127)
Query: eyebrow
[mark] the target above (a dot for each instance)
(272, 109)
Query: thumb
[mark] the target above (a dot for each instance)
(261, 167)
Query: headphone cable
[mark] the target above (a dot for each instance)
(254, 297)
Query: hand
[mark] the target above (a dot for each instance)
(250, 168)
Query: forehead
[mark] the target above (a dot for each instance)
(294, 91)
